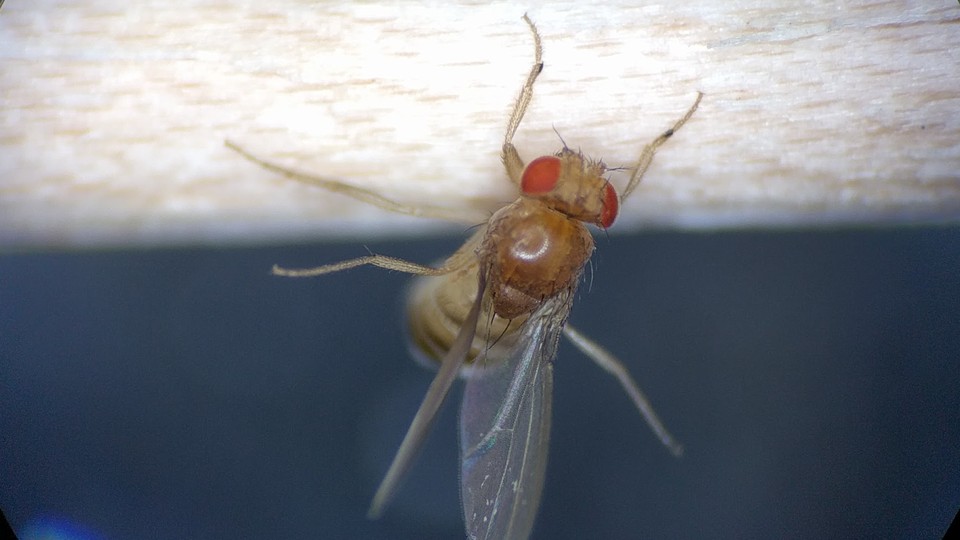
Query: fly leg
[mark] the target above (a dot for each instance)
(646, 156)
(462, 258)
(509, 155)
(608, 362)
(358, 193)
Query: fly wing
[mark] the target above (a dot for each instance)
(505, 429)
(427, 413)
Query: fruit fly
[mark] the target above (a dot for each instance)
(494, 311)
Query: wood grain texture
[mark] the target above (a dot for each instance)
(113, 116)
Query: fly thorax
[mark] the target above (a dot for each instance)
(531, 252)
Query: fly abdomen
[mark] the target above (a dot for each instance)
(437, 307)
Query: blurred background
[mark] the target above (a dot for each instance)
(812, 376)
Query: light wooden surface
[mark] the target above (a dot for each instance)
(113, 116)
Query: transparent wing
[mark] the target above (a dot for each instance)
(427, 413)
(505, 430)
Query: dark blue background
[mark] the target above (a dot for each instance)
(813, 378)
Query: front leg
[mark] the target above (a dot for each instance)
(509, 156)
(646, 156)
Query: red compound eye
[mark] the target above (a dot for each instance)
(540, 176)
(611, 206)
